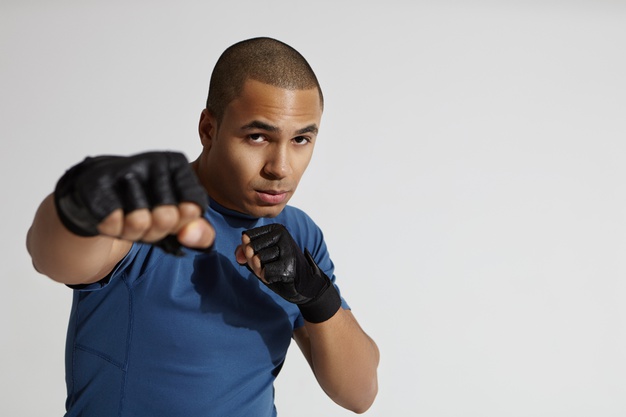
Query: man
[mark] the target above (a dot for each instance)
(183, 308)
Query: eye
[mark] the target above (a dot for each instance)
(256, 137)
(302, 140)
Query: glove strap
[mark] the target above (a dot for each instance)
(326, 303)
(323, 307)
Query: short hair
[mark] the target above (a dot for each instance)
(262, 59)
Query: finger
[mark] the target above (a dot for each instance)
(165, 220)
(268, 255)
(259, 232)
(243, 260)
(98, 200)
(97, 188)
(197, 234)
(132, 193)
(255, 266)
(248, 256)
(136, 223)
(248, 252)
(255, 262)
(160, 184)
(263, 241)
(188, 187)
(187, 212)
(113, 224)
(240, 256)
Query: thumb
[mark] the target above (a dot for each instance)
(240, 257)
(197, 234)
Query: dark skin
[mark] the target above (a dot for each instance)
(251, 161)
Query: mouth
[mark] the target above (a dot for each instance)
(272, 196)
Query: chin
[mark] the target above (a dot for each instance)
(268, 212)
(271, 213)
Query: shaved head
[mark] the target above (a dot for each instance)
(262, 59)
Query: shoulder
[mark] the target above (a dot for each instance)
(291, 212)
(304, 231)
(299, 223)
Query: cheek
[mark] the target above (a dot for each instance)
(243, 168)
(301, 163)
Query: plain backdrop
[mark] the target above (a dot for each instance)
(469, 177)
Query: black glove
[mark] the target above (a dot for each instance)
(293, 275)
(93, 189)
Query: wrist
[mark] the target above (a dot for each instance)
(322, 307)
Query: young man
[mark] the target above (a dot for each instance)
(185, 305)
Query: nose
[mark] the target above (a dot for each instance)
(277, 165)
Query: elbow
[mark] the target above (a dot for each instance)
(360, 400)
(368, 389)
(359, 394)
(366, 400)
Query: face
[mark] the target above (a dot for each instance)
(252, 160)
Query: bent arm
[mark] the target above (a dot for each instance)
(344, 359)
(66, 257)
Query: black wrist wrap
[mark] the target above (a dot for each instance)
(322, 307)
(327, 301)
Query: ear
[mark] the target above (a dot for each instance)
(207, 128)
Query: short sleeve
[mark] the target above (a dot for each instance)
(118, 270)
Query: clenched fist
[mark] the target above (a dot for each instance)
(152, 197)
(274, 257)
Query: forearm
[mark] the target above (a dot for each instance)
(63, 256)
(344, 360)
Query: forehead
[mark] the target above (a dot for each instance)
(263, 101)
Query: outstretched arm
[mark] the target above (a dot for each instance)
(68, 258)
(103, 204)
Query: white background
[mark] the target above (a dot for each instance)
(469, 178)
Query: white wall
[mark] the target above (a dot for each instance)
(469, 178)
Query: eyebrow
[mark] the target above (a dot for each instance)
(309, 129)
(257, 124)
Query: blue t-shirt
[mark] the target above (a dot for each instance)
(191, 336)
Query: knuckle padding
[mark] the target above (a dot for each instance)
(188, 187)
(268, 255)
(91, 190)
(257, 232)
(264, 236)
(78, 208)
(159, 185)
(132, 192)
